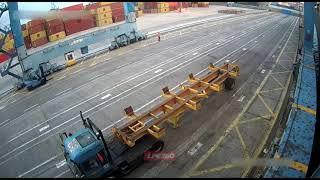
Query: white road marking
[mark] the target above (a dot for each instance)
(241, 98)
(61, 163)
(106, 96)
(31, 107)
(217, 43)
(59, 175)
(2, 107)
(37, 166)
(76, 71)
(5, 121)
(263, 71)
(195, 148)
(195, 53)
(63, 92)
(123, 65)
(44, 128)
(157, 71)
(61, 78)
(94, 77)
(255, 41)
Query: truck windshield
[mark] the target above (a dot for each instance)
(85, 139)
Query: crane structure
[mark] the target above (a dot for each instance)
(122, 34)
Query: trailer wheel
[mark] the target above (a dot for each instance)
(229, 83)
(157, 147)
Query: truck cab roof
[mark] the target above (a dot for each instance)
(82, 145)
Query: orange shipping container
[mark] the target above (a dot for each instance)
(101, 16)
(104, 22)
(38, 35)
(103, 9)
(39, 42)
(57, 36)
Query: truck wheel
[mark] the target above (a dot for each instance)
(157, 147)
(229, 83)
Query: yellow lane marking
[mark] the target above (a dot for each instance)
(266, 91)
(280, 84)
(233, 124)
(283, 66)
(245, 149)
(264, 118)
(266, 105)
(277, 112)
(281, 72)
(215, 169)
(303, 108)
(299, 166)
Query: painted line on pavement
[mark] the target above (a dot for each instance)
(44, 128)
(63, 91)
(30, 107)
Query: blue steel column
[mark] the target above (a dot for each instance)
(16, 31)
(128, 7)
(308, 24)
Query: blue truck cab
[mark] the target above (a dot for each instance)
(86, 155)
(89, 156)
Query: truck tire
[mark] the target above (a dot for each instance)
(229, 83)
(157, 147)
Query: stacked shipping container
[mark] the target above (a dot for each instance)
(200, 4)
(37, 31)
(80, 24)
(55, 30)
(117, 12)
(26, 36)
(163, 7)
(103, 15)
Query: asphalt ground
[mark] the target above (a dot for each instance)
(134, 75)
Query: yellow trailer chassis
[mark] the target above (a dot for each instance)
(171, 110)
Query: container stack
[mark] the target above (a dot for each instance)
(26, 36)
(37, 31)
(117, 12)
(9, 43)
(140, 6)
(103, 16)
(82, 23)
(173, 6)
(150, 7)
(163, 7)
(203, 4)
(55, 30)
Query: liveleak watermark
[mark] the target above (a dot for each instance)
(162, 155)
